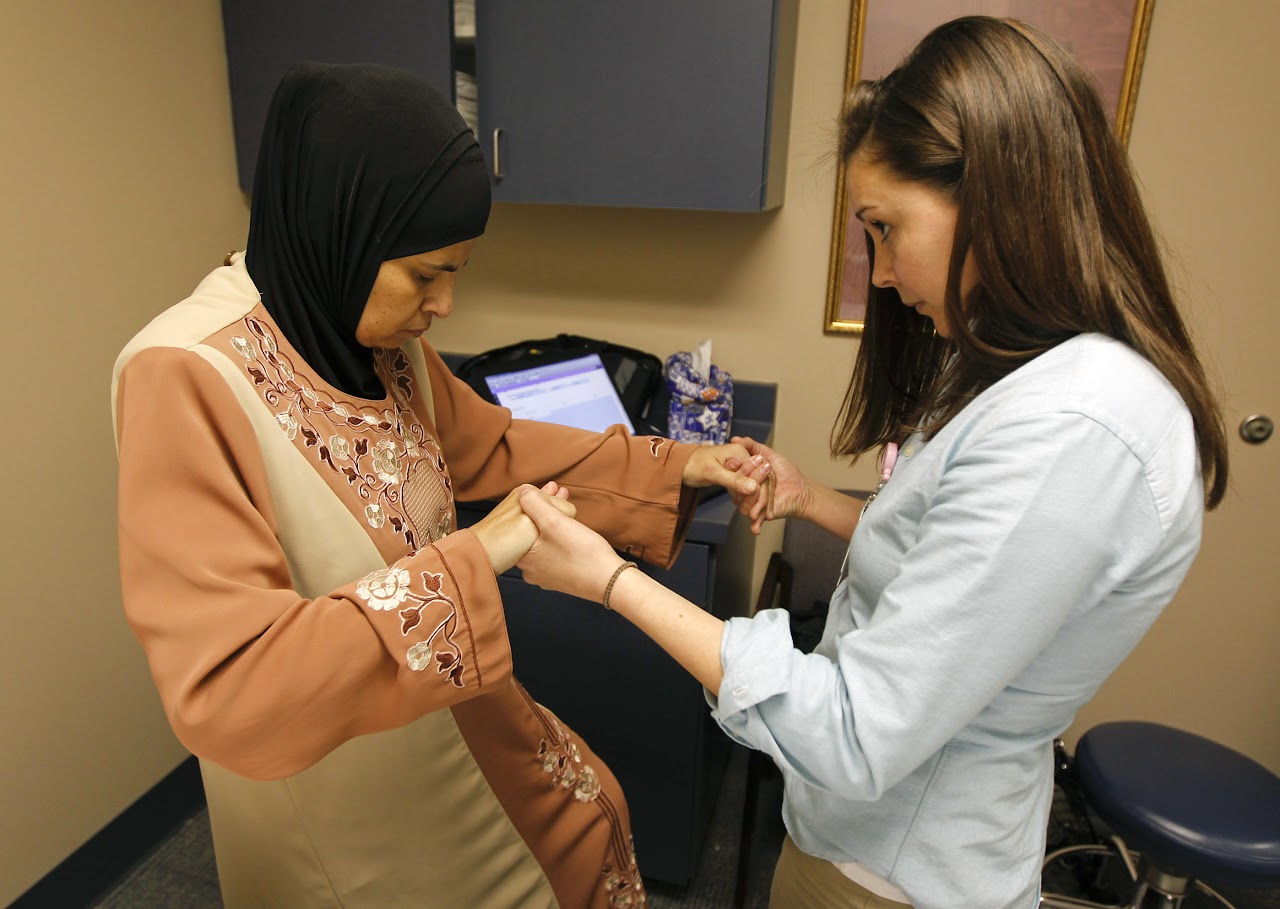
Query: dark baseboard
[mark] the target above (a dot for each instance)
(91, 870)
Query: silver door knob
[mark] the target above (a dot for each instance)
(1256, 428)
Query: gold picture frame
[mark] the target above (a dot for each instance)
(1091, 28)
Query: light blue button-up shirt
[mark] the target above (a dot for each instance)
(1004, 571)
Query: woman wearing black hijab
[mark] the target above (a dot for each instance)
(290, 451)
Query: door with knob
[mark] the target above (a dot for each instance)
(1211, 664)
(1257, 429)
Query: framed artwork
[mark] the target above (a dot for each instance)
(1109, 37)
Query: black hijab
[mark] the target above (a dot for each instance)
(359, 163)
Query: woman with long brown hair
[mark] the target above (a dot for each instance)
(1049, 444)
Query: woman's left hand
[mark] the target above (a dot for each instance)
(506, 532)
(567, 556)
(720, 465)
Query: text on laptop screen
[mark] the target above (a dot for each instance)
(571, 392)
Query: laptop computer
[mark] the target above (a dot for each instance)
(576, 392)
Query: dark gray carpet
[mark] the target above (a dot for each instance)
(179, 874)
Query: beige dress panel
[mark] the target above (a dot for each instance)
(335, 834)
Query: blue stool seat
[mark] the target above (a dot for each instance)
(1190, 805)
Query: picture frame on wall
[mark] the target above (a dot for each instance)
(1109, 37)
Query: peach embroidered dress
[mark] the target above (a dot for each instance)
(327, 644)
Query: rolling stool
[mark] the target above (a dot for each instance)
(1190, 808)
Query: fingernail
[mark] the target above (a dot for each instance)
(757, 460)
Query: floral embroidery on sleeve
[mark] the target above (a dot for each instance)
(385, 588)
(390, 589)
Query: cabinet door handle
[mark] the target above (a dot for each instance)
(497, 159)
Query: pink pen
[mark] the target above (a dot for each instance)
(890, 459)
(887, 460)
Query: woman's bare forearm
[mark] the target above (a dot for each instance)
(691, 635)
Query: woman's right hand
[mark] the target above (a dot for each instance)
(567, 556)
(506, 532)
(785, 491)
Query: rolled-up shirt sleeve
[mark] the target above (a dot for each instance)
(1032, 522)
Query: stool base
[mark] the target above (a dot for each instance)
(1152, 887)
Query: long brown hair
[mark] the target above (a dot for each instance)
(1000, 118)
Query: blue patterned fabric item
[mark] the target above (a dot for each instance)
(700, 410)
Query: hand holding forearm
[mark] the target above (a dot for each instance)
(572, 558)
(506, 533)
(785, 492)
(719, 465)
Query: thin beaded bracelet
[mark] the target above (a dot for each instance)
(608, 588)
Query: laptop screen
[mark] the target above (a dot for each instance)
(575, 392)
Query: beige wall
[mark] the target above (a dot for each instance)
(117, 187)
(119, 193)
(1204, 143)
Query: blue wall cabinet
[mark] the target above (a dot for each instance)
(658, 104)
(664, 103)
(265, 37)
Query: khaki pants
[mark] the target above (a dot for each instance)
(801, 881)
